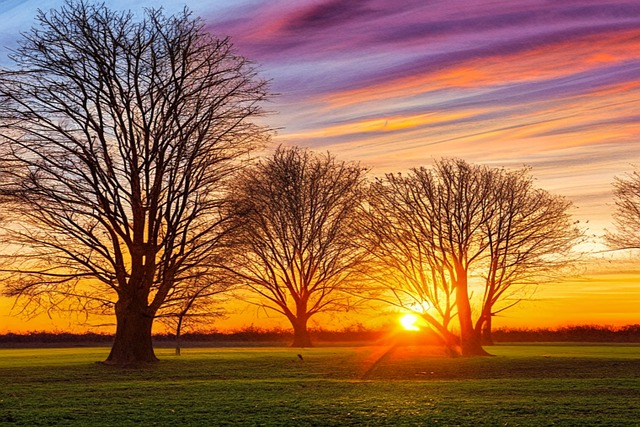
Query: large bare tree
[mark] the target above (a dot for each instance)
(295, 236)
(530, 237)
(123, 134)
(627, 213)
(443, 228)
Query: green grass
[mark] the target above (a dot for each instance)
(524, 385)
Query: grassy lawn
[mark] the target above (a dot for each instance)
(525, 385)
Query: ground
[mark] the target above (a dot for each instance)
(524, 385)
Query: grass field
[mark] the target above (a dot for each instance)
(525, 385)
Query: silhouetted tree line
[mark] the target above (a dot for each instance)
(250, 335)
(584, 333)
(255, 336)
(45, 338)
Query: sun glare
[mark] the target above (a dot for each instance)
(408, 322)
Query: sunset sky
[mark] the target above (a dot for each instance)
(554, 85)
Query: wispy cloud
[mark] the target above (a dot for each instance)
(506, 83)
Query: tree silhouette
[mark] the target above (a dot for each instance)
(123, 134)
(295, 233)
(193, 303)
(530, 238)
(436, 233)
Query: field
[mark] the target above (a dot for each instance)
(524, 385)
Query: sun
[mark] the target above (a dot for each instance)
(408, 322)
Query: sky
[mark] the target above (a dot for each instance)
(395, 84)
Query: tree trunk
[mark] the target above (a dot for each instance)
(470, 341)
(301, 336)
(178, 331)
(484, 326)
(487, 338)
(451, 343)
(132, 345)
(449, 340)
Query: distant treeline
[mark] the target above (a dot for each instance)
(246, 335)
(253, 335)
(583, 333)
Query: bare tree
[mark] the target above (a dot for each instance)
(295, 233)
(530, 237)
(123, 134)
(193, 303)
(627, 213)
(450, 201)
(438, 228)
(459, 208)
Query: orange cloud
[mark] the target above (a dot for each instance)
(551, 61)
(381, 124)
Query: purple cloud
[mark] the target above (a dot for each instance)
(328, 15)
